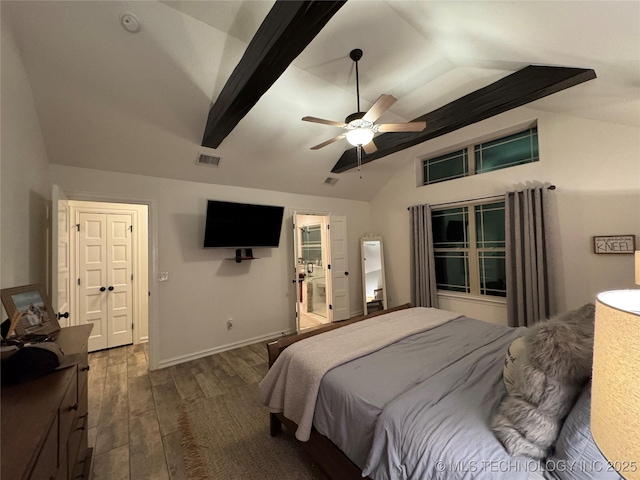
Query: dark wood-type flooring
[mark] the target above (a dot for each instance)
(133, 414)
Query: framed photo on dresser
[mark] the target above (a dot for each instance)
(33, 308)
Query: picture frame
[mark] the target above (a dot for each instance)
(614, 244)
(31, 303)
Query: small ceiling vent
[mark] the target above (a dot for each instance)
(331, 181)
(209, 160)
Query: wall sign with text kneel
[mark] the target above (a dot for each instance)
(614, 244)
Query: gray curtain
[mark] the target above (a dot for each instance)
(526, 257)
(423, 273)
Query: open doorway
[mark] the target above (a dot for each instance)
(109, 270)
(63, 288)
(312, 260)
(321, 276)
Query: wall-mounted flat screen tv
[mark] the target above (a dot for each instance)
(242, 225)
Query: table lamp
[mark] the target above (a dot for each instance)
(615, 396)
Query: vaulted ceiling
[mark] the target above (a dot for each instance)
(138, 103)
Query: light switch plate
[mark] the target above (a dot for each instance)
(163, 277)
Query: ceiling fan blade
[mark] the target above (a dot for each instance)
(370, 148)
(328, 142)
(324, 122)
(383, 104)
(402, 127)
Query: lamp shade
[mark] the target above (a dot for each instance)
(359, 136)
(615, 397)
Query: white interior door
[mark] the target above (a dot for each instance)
(60, 256)
(105, 278)
(92, 276)
(339, 268)
(119, 277)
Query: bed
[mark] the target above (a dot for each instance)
(411, 393)
(416, 408)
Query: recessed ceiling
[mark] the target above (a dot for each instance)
(107, 99)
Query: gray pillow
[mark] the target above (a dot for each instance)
(577, 457)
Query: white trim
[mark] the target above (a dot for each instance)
(466, 297)
(467, 203)
(139, 249)
(152, 204)
(223, 348)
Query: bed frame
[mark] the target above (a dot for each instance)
(325, 453)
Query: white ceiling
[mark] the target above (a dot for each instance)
(138, 103)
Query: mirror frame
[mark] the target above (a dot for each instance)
(372, 238)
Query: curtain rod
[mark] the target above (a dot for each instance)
(550, 187)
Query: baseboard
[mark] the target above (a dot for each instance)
(223, 348)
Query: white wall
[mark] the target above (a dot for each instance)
(596, 168)
(205, 289)
(24, 171)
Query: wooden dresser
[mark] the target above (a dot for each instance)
(44, 421)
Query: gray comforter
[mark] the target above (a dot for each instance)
(419, 408)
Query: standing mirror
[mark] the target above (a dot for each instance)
(374, 286)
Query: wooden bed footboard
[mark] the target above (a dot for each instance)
(325, 453)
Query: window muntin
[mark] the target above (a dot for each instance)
(450, 228)
(452, 271)
(490, 225)
(446, 167)
(493, 274)
(469, 249)
(509, 151)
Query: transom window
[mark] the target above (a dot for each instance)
(469, 246)
(504, 152)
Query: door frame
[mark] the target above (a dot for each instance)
(152, 253)
(139, 267)
(327, 249)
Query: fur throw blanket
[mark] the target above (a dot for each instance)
(559, 355)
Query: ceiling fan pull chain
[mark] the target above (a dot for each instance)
(359, 150)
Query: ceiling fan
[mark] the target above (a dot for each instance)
(360, 126)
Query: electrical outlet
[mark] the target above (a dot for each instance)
(230, 324)
(163, 277)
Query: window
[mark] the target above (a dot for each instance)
(469, 245)
(504, 152)
(507, 151)
(311, 243)
(446, 167)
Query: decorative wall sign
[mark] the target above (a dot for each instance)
(614, 244)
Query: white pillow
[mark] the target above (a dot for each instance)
(516, 357)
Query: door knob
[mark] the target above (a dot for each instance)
(346, 273)
(102, 289)
(110, 289)
(63, 315)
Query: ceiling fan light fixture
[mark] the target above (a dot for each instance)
(359, 136)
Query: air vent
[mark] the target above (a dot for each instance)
(331, 181)
(208, 160)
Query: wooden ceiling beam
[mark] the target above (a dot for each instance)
(285, 32)
(522, 87)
